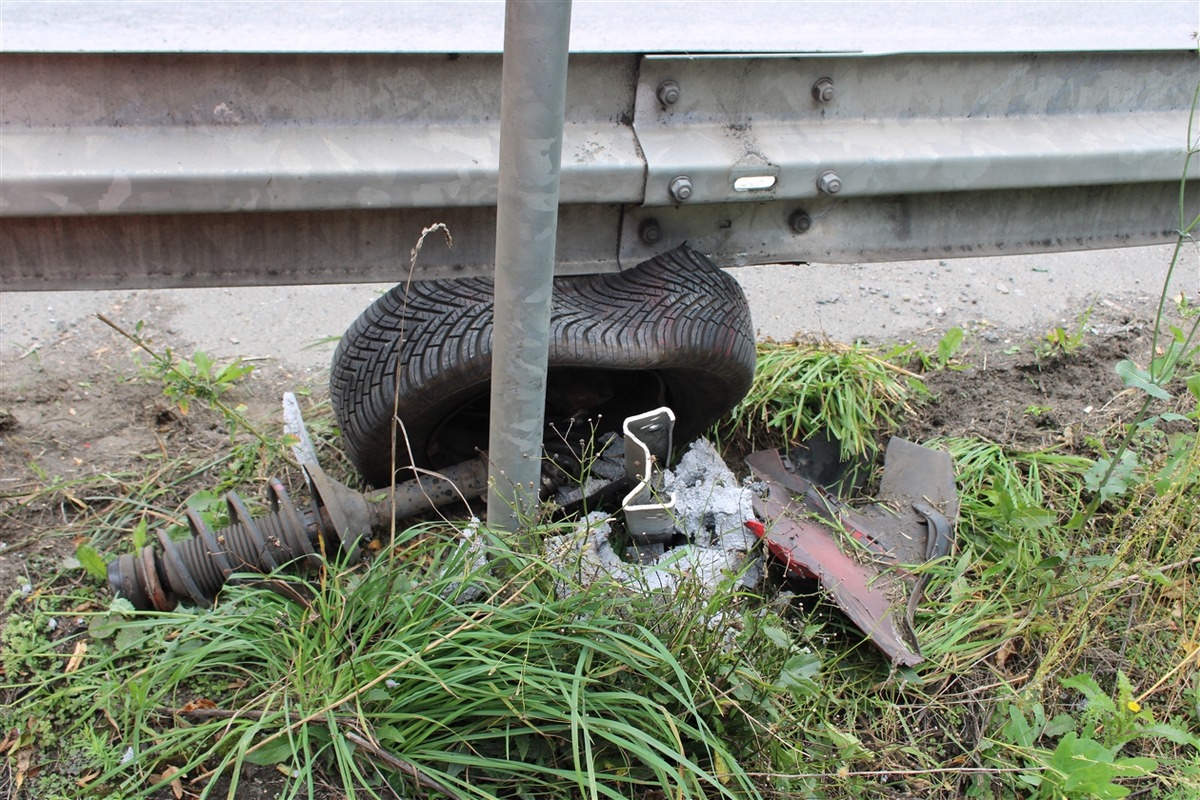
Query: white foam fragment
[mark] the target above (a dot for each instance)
(710, 510)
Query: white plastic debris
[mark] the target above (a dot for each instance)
(710, 510)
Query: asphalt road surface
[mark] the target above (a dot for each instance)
(290, 328)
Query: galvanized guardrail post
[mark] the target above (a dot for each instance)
(532, 106)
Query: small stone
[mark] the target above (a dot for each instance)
(1001, 288)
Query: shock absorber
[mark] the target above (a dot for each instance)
(196, 568)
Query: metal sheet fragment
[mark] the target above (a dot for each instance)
(912, 524)
(293, 425)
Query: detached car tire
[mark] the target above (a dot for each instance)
(672, 331)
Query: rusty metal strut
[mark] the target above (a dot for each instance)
(195, 569)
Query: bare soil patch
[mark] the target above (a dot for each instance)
(78, 416)
(1028, 400)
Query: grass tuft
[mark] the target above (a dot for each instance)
(803, 388)
(426, 673)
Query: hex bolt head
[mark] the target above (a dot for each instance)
(822, 90)
(800, 221)
(668, 93)
(649, 231)
(681, 188)
(829, 182)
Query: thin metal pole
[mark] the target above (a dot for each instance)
(532, 104)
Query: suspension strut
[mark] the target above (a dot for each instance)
(196, 568)
(338, 518)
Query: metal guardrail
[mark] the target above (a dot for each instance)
(131, 169)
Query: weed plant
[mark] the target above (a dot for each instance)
(1062, 646)
(1062, 653)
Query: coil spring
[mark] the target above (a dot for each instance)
(198, 567)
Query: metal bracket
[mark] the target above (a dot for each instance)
(649, 519)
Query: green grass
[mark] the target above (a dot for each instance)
(424, 669)
(380, 678)
(799, 389)
(1062, 641)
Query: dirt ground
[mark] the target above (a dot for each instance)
(1031, 400)
(80, 408)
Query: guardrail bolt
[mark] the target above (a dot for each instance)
(829, 182)
(800, 221)
(649, 231)
(668, 93)
(681, 188)
(822, 90)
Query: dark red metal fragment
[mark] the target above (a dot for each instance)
(871, 593)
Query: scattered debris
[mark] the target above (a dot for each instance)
(864, 557)
(713, 548)
(708, 511)
(691, 528)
